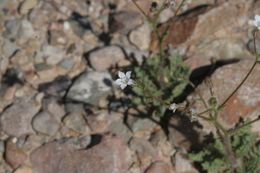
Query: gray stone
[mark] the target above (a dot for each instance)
(79, 142)
(19, 29)
(79, 25)
(76, 122)
(143, 147)
(27, 5)
(25, 31)
(45, 123)
(2, 147)
(74, 108)
(42, 67)
(11, 28)
(118, 128)
(104, 58)
(141, 37)
(54, 107)
(67, 63)
(124, 21)
(57, 87)
(8, 48)
(90, 87)
(90, 41)
(138, 55)
(143, 125)
(53, 55)
(16, 119)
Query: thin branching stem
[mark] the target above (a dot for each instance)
(245, 78)
(141, 10)
(232, 131)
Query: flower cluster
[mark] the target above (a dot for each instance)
(256, 22)
(124, 79)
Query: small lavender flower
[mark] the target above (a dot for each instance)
(173, 107)
(124, 79)
(256, 22)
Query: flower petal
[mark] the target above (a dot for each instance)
(257, 17)
(128, 74)
(173, 107)
(121, 74)
(130, 82)
(122, 86)
(119, 81)
(255, 23)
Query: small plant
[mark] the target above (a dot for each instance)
(162, 78)
(212, 158)
(158, 85)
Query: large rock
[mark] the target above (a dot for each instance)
(109, 156)
(57, 87)
(104, 58)
(159, 166)
(27, 5)
(222, 39)
(180, 28)
(124, 21)
(244, 103)
(183, 164)
(141, 37)
(76, 122)
(45, 123)
(90, 87)
(24, 169)
(21, 30)
(14, 155)
(16, 119)
(53, 55)
(202, 30)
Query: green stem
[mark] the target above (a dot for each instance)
(242, 82)
(141, 10)
(232, 131)
(239, 86)
(245, 78)
(171, 20)
(230, 155)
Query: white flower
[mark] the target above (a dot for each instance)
(256, 22)
(124, 79)
(173, 107)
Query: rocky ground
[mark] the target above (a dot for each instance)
(60, 56)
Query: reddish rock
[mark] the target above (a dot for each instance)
(245, 102)
(14, 155)
(59, 157)
(180, 28)
(124, 21)
(107, 57)
(159, 167)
